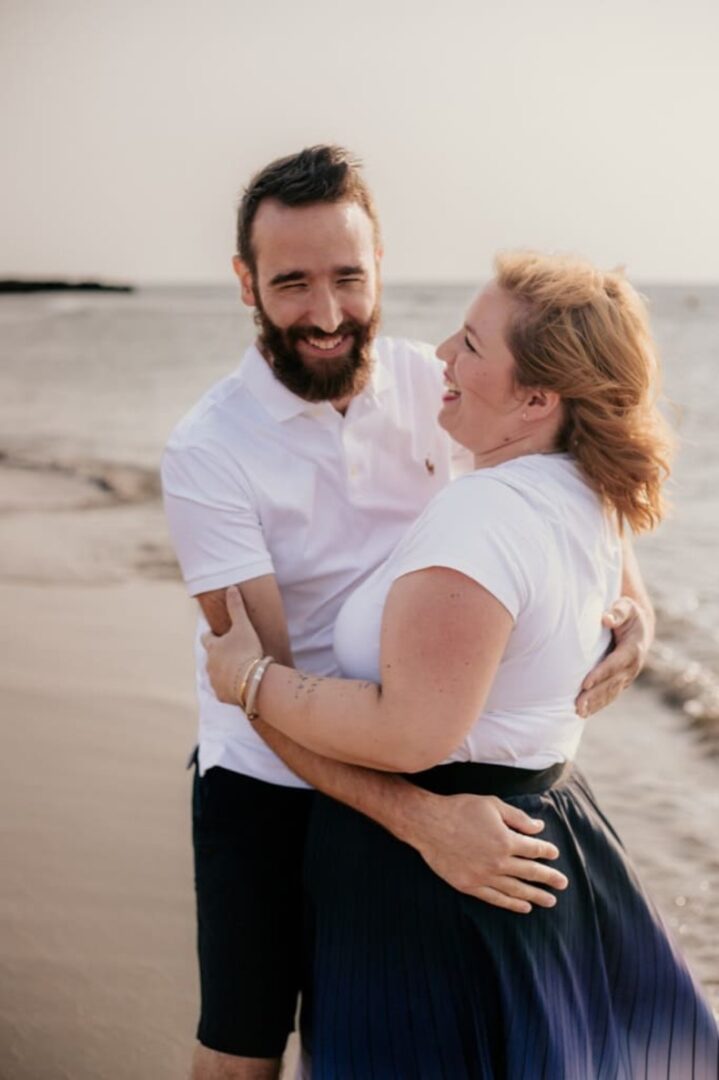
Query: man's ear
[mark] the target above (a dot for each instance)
(246, 280)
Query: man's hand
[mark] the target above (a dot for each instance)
(475, 843)
(632, 629)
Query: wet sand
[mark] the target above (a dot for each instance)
(97, 971)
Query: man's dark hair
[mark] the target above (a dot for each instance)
(317, 174)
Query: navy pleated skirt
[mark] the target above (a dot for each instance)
(412, 980)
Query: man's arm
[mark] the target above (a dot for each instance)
(474, 843)
(632, 621)
(263, 601)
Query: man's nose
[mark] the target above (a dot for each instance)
(326, 312)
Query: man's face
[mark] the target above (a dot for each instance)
(316, 295)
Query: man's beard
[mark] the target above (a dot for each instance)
(330, 380)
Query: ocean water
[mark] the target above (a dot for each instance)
(90, 386)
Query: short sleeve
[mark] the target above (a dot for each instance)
(213, 522)
(483, 528)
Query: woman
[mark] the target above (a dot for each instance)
(467, 648)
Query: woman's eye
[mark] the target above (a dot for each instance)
(468, 344)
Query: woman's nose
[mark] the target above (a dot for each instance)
(445, 351)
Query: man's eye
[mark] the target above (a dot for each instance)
(292, 285)
(349, 280)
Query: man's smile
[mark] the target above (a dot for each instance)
(325, 347)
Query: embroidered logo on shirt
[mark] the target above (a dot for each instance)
(429, 466)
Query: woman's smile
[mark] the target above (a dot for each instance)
(452, 391)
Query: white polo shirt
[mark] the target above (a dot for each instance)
(258, 481)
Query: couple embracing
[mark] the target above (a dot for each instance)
(395, 665)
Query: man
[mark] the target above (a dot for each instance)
(294, 478)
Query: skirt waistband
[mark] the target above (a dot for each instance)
(480, 778)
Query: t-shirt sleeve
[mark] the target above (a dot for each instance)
(213, 520)
(484, 529)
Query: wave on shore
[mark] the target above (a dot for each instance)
(684, 683)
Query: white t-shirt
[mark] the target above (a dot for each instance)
(534, 535)
(257, 481)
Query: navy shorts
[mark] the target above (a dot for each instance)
(249, 839)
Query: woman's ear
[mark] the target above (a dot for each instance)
(540, 404)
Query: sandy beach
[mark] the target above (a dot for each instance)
(98, 972)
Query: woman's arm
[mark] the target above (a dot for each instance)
(443, 636)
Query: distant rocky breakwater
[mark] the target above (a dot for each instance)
(24, 286)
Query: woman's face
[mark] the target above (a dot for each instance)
(482, 407)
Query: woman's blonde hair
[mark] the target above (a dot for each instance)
(585, 334)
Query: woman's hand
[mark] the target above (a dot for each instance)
(229, 656)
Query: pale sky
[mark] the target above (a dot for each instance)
(129, 128)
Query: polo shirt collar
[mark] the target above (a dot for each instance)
(281, 403)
